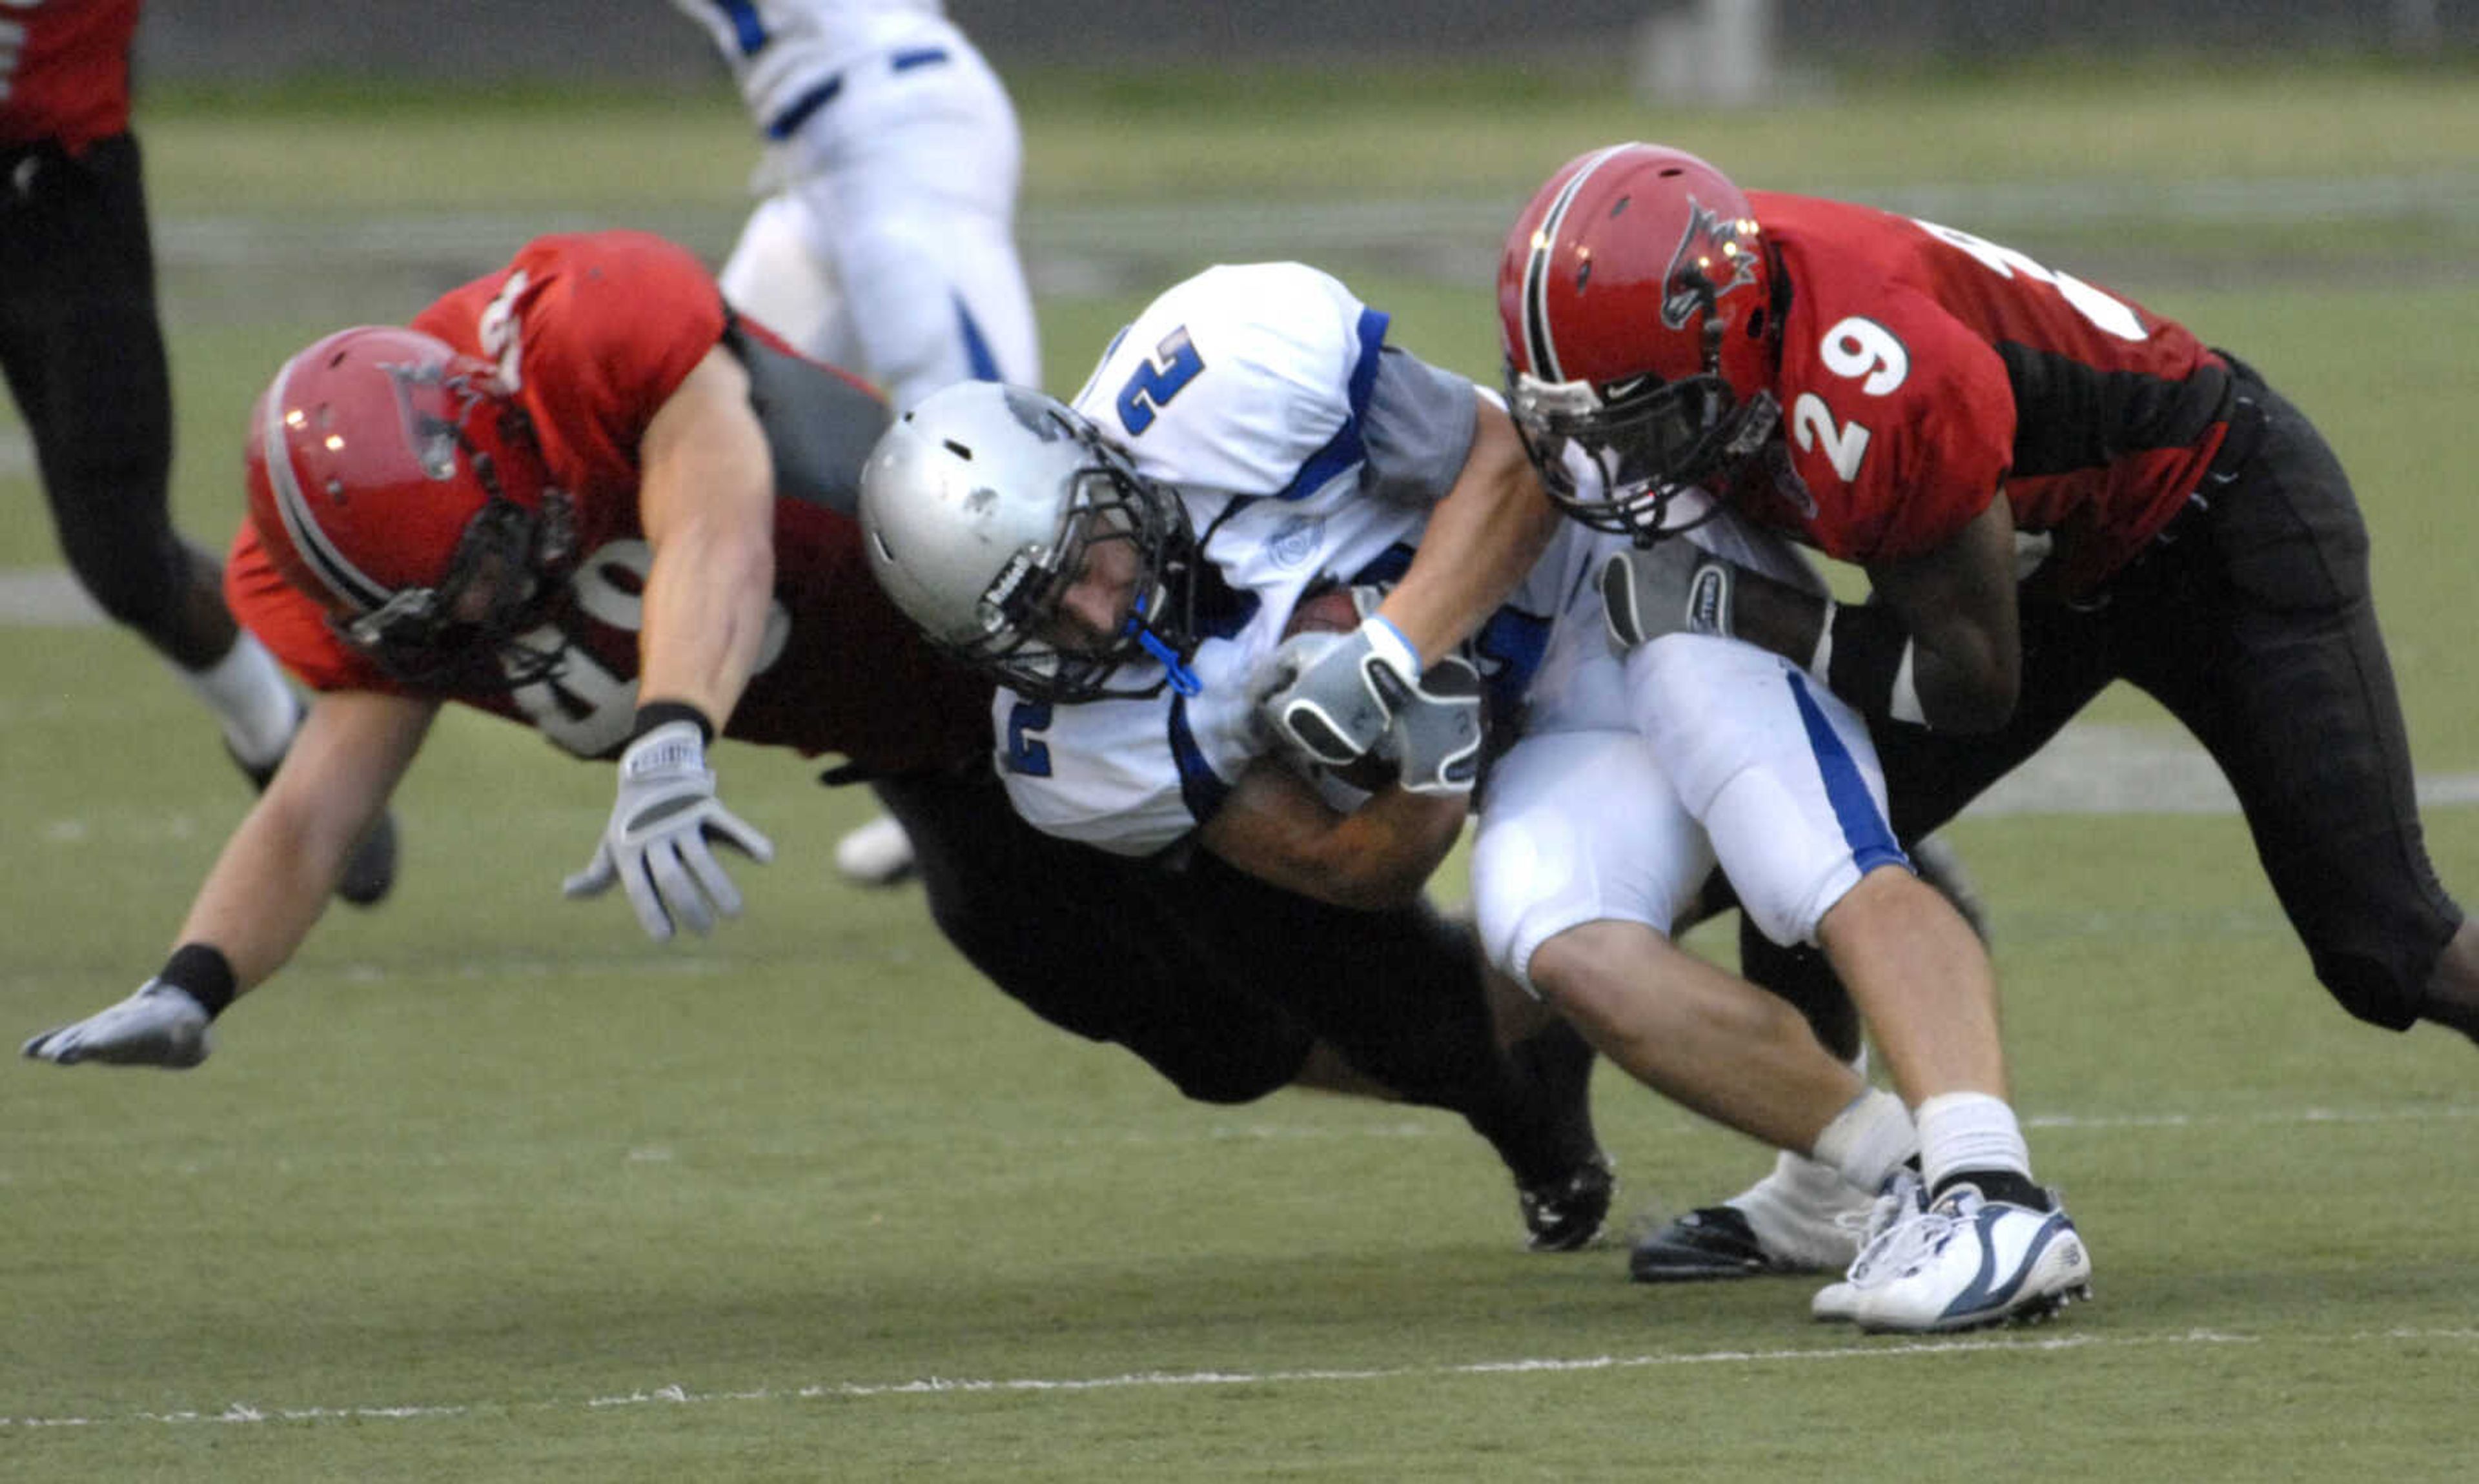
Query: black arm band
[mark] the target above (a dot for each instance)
(1869, 643)
(202, 970)
(658, 714)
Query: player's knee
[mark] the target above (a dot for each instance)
(136, 580)
(1576, 971)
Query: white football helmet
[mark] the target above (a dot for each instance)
(977, 510)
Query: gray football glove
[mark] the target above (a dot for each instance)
(1331, 697)
(161, 1025)
(656, 842)
(1672, 586)
(1435, 739)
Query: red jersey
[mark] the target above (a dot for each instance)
(65, 71)
(594, 332)
(1922, 367)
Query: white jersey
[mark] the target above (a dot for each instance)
(782, 51)
(1260, 395)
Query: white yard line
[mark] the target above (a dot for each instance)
(1864, 1351)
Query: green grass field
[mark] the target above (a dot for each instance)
(485, 1186)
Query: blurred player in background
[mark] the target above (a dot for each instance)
(887, 240)
(1131, 568)
(83, 349)
(581, 494)
(2050, 488)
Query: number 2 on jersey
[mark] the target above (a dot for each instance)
(1174, 365)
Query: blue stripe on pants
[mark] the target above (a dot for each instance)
(1863, 827)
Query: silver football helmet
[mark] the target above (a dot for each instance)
(978, 509)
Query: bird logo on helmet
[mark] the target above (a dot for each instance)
(1709, 264)
(1635, 304)
(398, 484)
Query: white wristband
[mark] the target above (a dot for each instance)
(1389, 645)
(1822, 661)
(1903, 706)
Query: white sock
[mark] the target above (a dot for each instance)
(1866, 1140)
(1969, 1130)
(249, 697)
(1802, 1182)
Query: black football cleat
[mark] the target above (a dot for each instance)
(1710, 1242)
(1566, 1208)
(1563, 1215)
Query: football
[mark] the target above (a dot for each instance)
(1331, 610)
(1325, 610)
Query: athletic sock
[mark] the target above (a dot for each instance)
(1970, 1132)
(249, 695)
(1866, 1140)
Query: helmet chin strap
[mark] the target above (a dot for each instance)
(1183, 680)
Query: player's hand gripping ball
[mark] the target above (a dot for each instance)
(1338, 610)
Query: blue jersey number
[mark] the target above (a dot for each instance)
(1175, 364)
(1026, 752)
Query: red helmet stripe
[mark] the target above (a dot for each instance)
(1539, 345)
(342, 578)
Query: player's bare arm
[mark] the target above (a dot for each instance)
(706, 504)
(1484, 534)
(1380, 855)
(707, 508)
(1487, 533)
(1964, 645)
(266, 889)
(271, 881)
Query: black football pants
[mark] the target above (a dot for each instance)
(2251, 619)
(83, 352)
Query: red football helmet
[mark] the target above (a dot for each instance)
(398, 484)
(1636, 306)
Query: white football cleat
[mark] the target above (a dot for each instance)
(1900, 1200)
(161, 1025)
(876, 854)
(1960, 1263)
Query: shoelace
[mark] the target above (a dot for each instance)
(1895, 1235)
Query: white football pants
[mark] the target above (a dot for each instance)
(890, 251)
(1633, 776)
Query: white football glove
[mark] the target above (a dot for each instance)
(161, 1025)
(656, 842)
(1330, 698)
(1672, 586)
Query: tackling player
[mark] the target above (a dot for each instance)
(1129, 568)
(578, 493)
(82, 350)
(2049, 486)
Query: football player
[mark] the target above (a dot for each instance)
(887, 241)
(82, 350)
(2049, 486)
(1129, 566)
(581, 494)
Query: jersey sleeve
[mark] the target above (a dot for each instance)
(595, 330)
(1252, 379)
(1417, 429)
